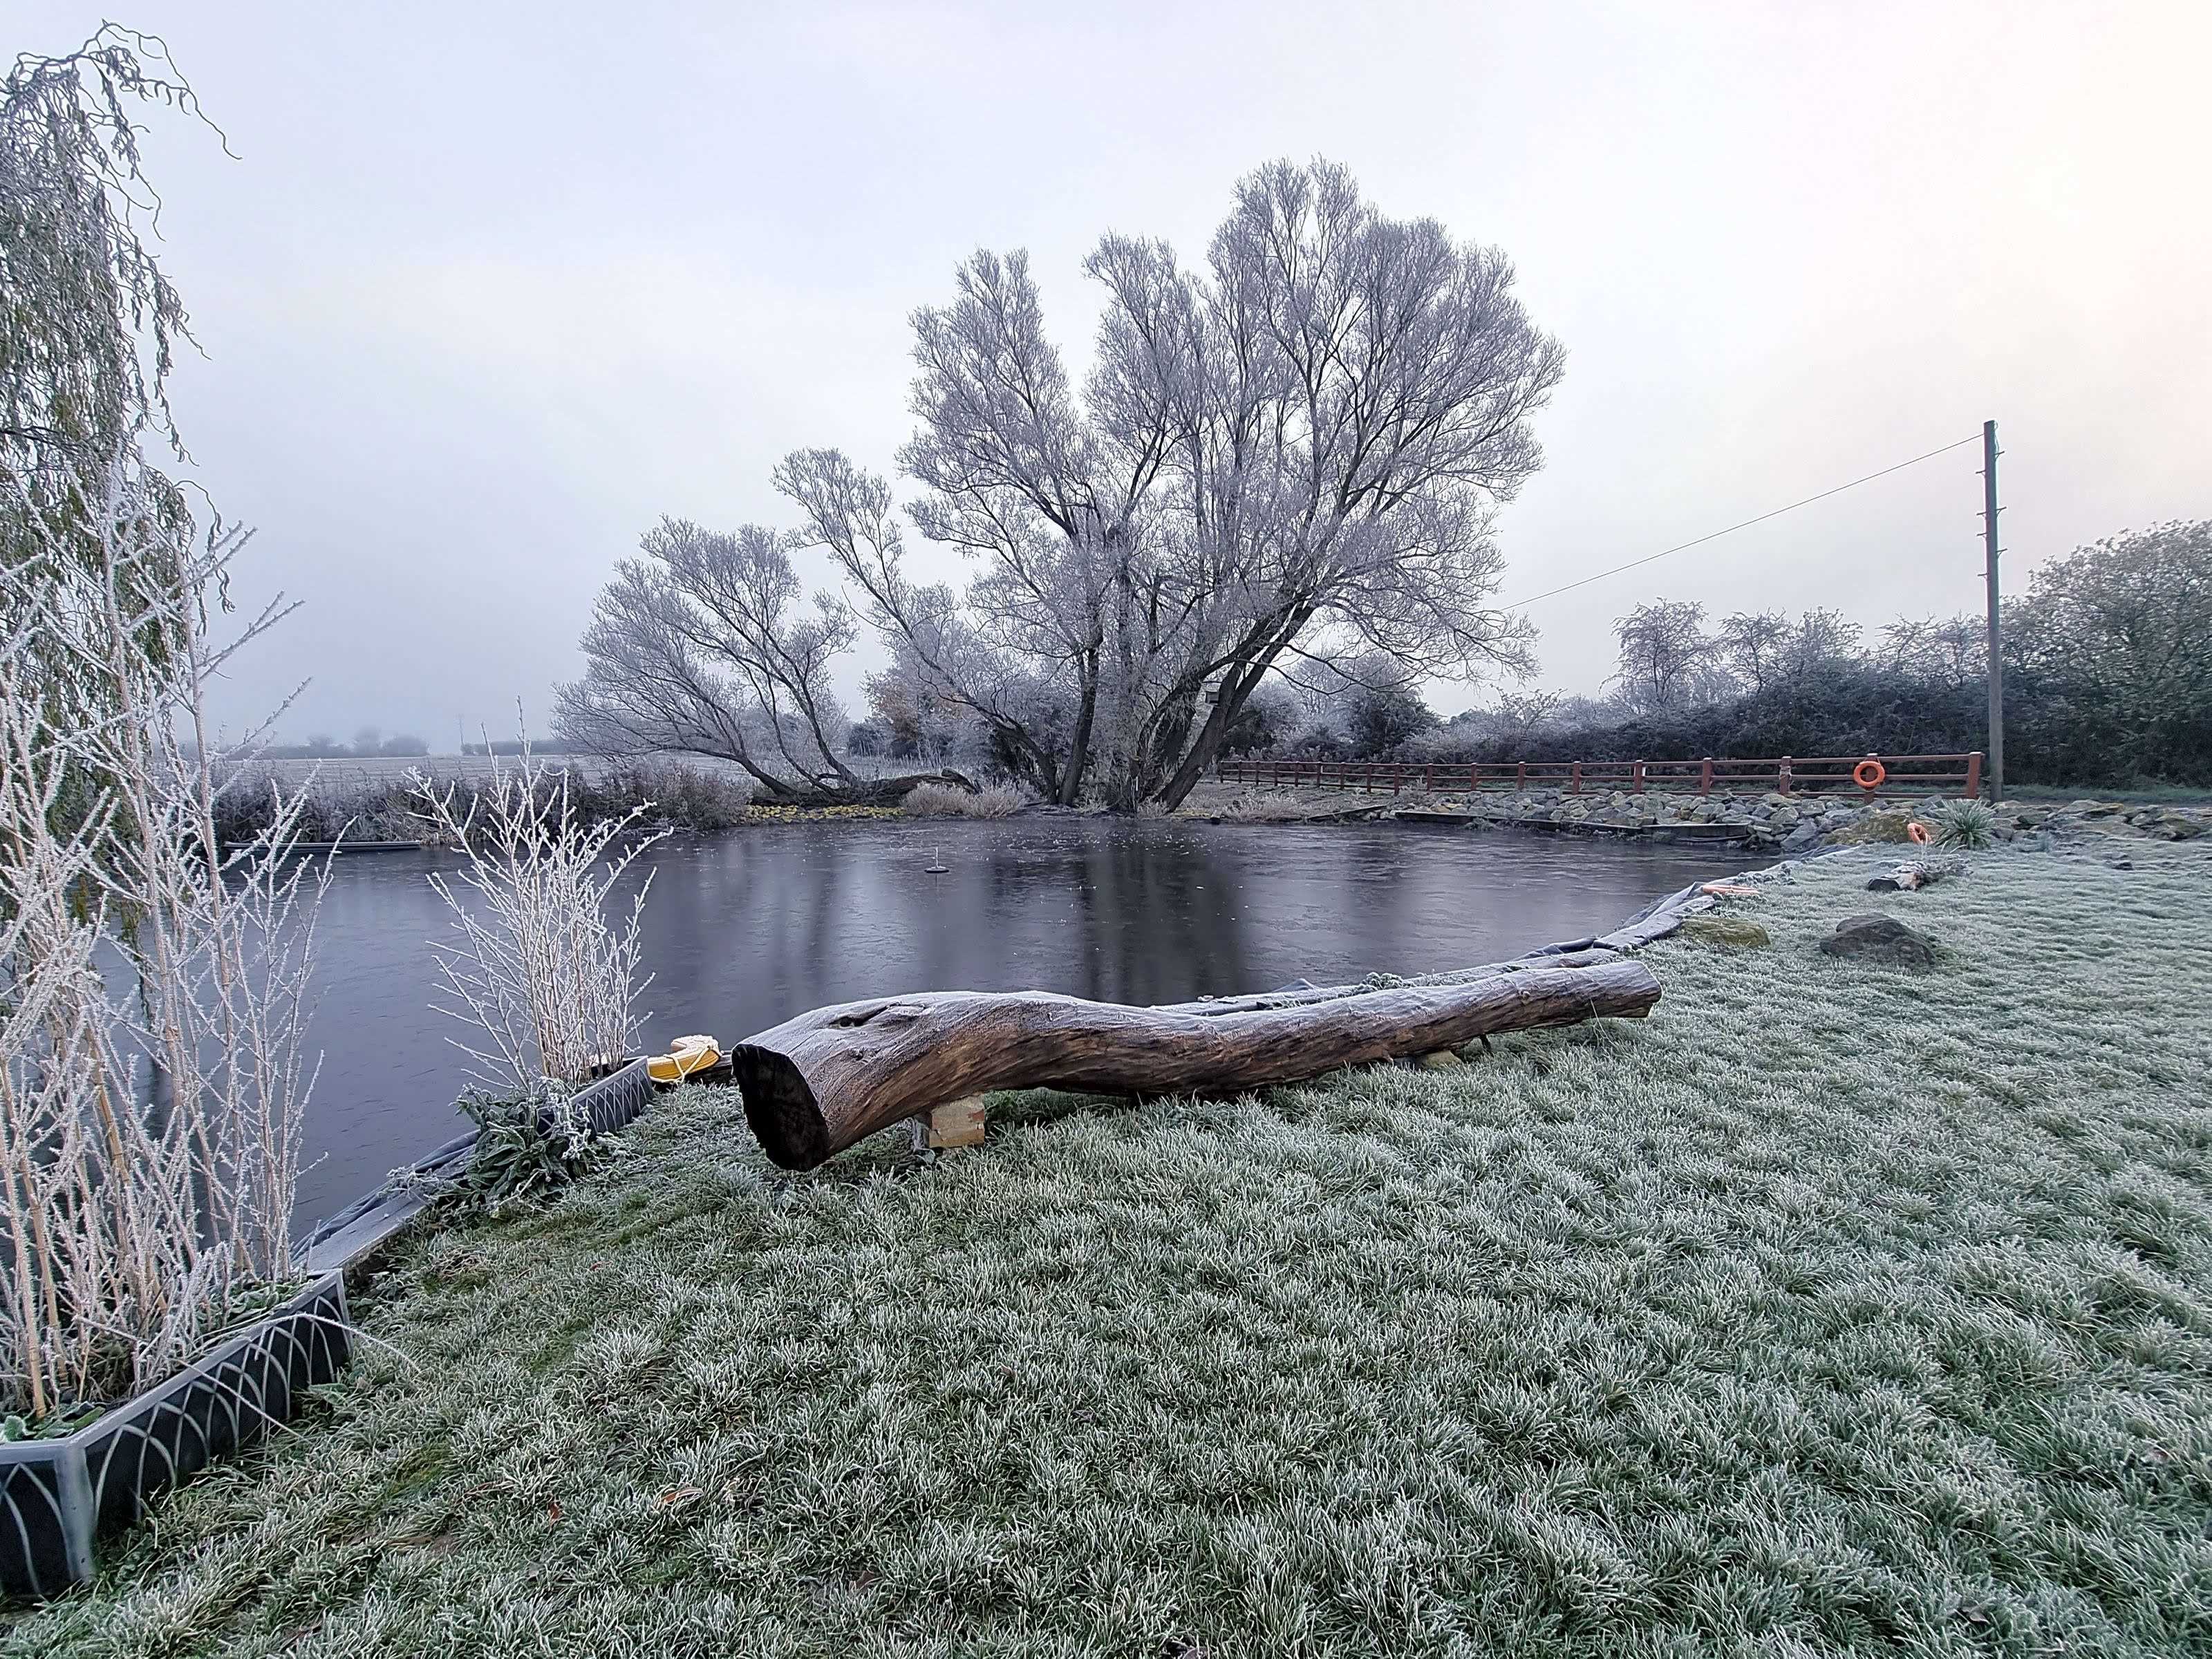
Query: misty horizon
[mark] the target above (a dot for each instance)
(468, 336)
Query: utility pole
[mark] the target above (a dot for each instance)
(1997, 638)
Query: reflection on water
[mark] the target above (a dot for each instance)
(746, 930)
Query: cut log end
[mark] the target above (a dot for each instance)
(781, 1107)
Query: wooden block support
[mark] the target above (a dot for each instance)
(1441, 1059)
(959, 1123)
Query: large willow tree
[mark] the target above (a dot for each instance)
(1286, 462)
(1289, 459)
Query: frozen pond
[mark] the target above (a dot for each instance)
(747, 929)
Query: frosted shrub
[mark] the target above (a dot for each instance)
(946, 800)
(1278, 806)
(538, 967)
(131, 1233)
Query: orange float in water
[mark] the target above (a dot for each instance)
(1870, 773)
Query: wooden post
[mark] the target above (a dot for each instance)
(956, 1123)
(1974, 776)
(1635, 779)
(1705, 777)
(1782, 783)
(1868, 788)
(1521, 776)
(1575, 780)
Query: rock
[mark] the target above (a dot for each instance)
(1887, 826)
(1802, 837)
(1879, 939)
(2173, 826)
(1726, 930)
(1785, 818)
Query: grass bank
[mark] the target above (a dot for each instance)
(1833, 1308)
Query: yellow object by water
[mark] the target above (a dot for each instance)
(685, 1055)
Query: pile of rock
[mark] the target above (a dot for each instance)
(1803, 820)
(1793, 822)
(2116, 819)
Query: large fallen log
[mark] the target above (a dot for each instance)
(815, 1084)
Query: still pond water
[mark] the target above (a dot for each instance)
(745, 930)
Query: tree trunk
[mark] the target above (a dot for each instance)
(1070, 792)
(815, 1084)
(1242, 678)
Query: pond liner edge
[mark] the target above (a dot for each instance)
(59, 1496)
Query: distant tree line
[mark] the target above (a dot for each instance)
(2107, 666)
(367, 743)
(518, 746)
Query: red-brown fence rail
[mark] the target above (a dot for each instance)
(1864, 776)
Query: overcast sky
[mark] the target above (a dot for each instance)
(489, 288)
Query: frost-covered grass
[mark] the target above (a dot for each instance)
(1833, 1309)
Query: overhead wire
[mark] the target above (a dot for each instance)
(1569, 587)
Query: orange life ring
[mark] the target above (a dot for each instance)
(1918, 832)
(1870, 773)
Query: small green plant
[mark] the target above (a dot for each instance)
(530, 1144)
(1969, 825)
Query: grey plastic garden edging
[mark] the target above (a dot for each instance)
(58, 1497)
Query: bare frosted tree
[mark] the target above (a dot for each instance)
(919, 720)
(1951, 652)
(1027, 698)
(703, 645)
(2123, 628)
(1293, 456)
(1667, 659)
(1527, 712)
(1824, 642)
(1753, 646)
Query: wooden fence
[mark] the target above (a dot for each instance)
(1787, 775)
